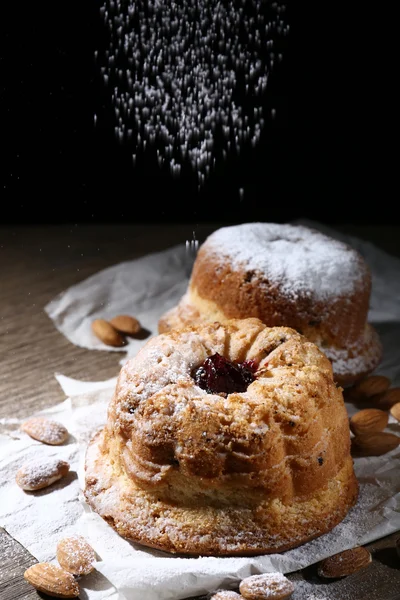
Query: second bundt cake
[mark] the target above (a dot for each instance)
(286, 275)
(225, 439)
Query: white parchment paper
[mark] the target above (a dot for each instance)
(124, 571)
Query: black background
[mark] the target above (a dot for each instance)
(322, 157)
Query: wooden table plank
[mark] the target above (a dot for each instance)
(39, 262)
(15, 559)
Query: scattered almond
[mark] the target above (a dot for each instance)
(45, 430)
(75, 555)
(38, 474)
(369, 420)
(387, 399)
(126, 324)
(271, 586)
(226, 595)
(107, 333)
(52, 580)
(344, 563)
(370, 386)
(395, 411)
(374, 444)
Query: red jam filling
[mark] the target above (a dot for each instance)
(219, 375)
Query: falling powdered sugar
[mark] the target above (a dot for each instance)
(188, 77)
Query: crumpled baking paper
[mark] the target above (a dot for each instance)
(125, 571)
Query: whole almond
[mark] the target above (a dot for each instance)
(126, 324)
(387, 399)
(52, 580)
(374, 444)
(395, 411)
(45, 430)
(344, 563)
(41, 473)
(76, 555)
(107, 334)
(369, 420)
(271, 586)
(370, 386)
(226, 595)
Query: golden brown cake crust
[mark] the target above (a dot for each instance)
(189, 472)
(288, 276)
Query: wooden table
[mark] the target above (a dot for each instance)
(38, 262)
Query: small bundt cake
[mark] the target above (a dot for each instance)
(225, 439)
(290, 276)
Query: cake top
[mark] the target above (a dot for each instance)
(302, 260)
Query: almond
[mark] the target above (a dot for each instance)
(45, 430)
(226, 595)
(107, 334)
(369, 420)
(370, 386)
(75, 555)
(386, 400)
(395, 411)
(271, 586)
(344, 563)
(52, 580)
(41, 473)
(374, 444)
(126, 324)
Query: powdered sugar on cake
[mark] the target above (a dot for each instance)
(358, 358)
(302, 260)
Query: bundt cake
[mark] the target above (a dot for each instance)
(291, 276)
(223, 439)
